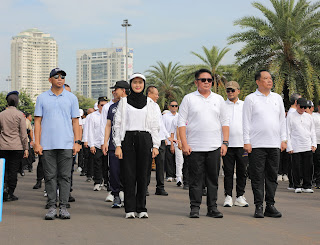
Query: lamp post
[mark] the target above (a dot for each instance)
(126, 24)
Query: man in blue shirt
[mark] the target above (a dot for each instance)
(57, 138)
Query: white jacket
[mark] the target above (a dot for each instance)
(151, 123)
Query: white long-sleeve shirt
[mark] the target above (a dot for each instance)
(167, 121)
(300, 132)
(264, 124)
(85, 129)
(205, 117)
(103, 119)
(316, 121)
(163, 133)
(234, 111)
(94, 130)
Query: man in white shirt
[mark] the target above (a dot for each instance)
(201, 140)
(235, 154)
(169, 156)
(264, 134)
(301, 143)
(94, 143)
(316, 156)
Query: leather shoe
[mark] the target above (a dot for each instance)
(11, 197)
(71, 199)
(37, 185)
(258, 213)
(271, 211)
(161, 193)
(214, 213)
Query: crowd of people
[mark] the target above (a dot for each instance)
(116, 142)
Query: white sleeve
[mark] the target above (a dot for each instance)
(91, 131)
(313, 134)
(289, 128)
(224, 116)
(283, 130)
(246, 120)
(183, 112)
(103, 122)
(85, 131)
(155, 125)
(117, 123)
(174, 125)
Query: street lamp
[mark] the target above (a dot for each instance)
(126, 24)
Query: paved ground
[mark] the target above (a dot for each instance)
(93, 221)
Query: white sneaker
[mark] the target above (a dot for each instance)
(307, 190)
(143, 215)
(279, 178)
(79, 169)
(241, 202)
(45, 194)
(228, 201)
(298, 190)
(130, 215)
(291, 188)
(121, 195)
(285, 177)
(169, 179)
(97, 187)
(109, 198)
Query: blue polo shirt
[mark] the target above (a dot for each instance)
(57, 113)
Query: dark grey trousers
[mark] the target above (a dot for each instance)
(57, 166)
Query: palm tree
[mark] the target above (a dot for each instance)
(286, 42)
(168, 81)
(211, 61)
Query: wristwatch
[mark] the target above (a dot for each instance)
(226, 143)
(78, 142)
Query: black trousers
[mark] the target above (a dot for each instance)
(90, 170)
(284, 162)
(316, 162)
(81, 158)
(302, 169)
(136, 149)
(263, 168)
(170, 163)
(12, 164)
(234, 157)
(203, 164)
(105, 170)
(290, 177)
(115, 177)
(185, 170)
(98, 166)
(40, 173)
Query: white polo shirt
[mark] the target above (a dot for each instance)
(167, 120)
(300, 132)
(234, 111)
(316, 121)
(94, 130)
(264, 124)
(205, 117)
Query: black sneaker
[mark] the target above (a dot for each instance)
(116, 202)
(258, 213)
(194, 213)
(179, 183)
(161, 192)
(71, 199)
(12, 197)
(37, 185)
(271, 211)
(214, 213)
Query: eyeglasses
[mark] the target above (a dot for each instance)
(230, 90)
(57, 76)
(174, 105)
(205, 79)
(305, 107)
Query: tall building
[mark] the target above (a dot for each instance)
(99, 69)
(33, 55)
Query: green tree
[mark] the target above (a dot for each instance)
(286, 42)
(168, 81)
(84, 102)
(211, 61)
(26, 104)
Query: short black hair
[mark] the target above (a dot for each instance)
(66, 85)
(257, 76)
(102, 98)
(173, 101)
(199, 72)
(293, 98)
(149, 89)
(28, 114)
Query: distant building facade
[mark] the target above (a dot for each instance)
(99, 69)
(33, 55)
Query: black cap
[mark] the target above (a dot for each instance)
(121, 84)
(302, 102)
(310, 103)
(12, 92)
(103, 98)
(55, 71)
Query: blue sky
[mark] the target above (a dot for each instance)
(161, 30)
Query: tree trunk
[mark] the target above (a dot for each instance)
(285, 91)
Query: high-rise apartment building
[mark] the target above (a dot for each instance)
(99, 69)
(33, 55)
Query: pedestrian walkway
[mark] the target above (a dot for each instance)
(93, 221)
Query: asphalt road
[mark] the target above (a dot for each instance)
(93, 221)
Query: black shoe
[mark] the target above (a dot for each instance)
(186, 187)
(258, 213)
(22, 172)
(37, 185)
(179, 183)
(271, 211)
(71, 199)
(147, 193)
(161, 192)
(116, 202)
(30, 170)
(214, 213)
(11, 197)
(194, 213)
(204, 192)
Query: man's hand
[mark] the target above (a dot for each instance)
(247, 148)
(118, 152)
(85, 144)
(38, 149)
(32, 143)
(25, 154)
(223, 150)
(155, 152)
(290, 152)
(186, 149)
(76, 148)
(313, 148)
(93, 150)
(104, 149)
(283, 146)
(172, 148)
(179, 145)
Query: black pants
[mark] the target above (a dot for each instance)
(316, 162)
(81, 158)
(136, 149)
(40, 173)
(97, 166)
(234, 157)
(290, 177)
(284, 162)
(203, 164)
(12, 164)
(105, 170)
(170, 163)
(302, 169)
(90, 170)
(263, 168)
(185, 170)
(114, 167)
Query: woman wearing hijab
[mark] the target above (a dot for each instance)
(136, 127)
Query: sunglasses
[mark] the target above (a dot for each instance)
(174, 105)
(231, 90)
(57, 76)
(205, 79)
